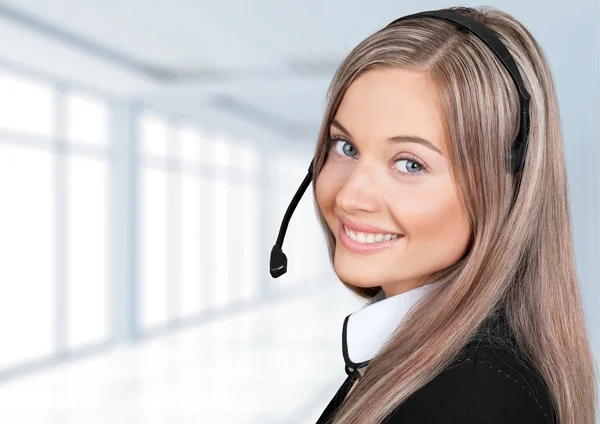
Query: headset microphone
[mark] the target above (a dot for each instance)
(278, 262)
(516, 157)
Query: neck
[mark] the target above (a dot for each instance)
(393, 289)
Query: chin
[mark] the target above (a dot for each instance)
(356, 274)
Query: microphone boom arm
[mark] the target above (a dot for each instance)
(278, 262)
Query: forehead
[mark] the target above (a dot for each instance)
(382, 103)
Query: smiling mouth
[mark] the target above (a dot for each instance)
(370, 243)
(368, 238)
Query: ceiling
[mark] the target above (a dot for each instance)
(265, 62)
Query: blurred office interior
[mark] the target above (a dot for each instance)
(148, 152)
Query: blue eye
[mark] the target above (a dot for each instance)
(412, 165)
(347, 148)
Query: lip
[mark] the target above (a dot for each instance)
(363, 228)
(364, 248)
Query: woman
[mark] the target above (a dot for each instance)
(475, 313)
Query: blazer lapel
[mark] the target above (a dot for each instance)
(338, 398)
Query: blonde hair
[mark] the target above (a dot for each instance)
(520, 260)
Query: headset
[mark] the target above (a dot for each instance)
(278, 261)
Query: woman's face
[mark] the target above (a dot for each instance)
(387, 167)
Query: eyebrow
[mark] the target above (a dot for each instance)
(397, 138)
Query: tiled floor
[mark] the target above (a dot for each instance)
(279, 363)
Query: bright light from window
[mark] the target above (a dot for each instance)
(87, 119)
(26, 105)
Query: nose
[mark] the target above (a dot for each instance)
(359, 193)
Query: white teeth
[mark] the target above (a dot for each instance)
(369, 238)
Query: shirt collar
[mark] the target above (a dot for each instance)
(366, 331)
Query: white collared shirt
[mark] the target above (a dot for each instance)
(366, 331)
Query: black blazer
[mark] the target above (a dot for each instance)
(487, 383)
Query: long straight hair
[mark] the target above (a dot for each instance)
(520, 261)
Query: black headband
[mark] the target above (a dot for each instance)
(278, 262)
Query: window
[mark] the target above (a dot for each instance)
(87, 119)
(194, 245)
(199, 220)
(153, 248)
(190, 140)
(153, 134)
(54, 221)
(87, 247)
(27, 106)
(28, 252)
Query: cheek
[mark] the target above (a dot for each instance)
(324, 196)
(437, 223)
(326, 188)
